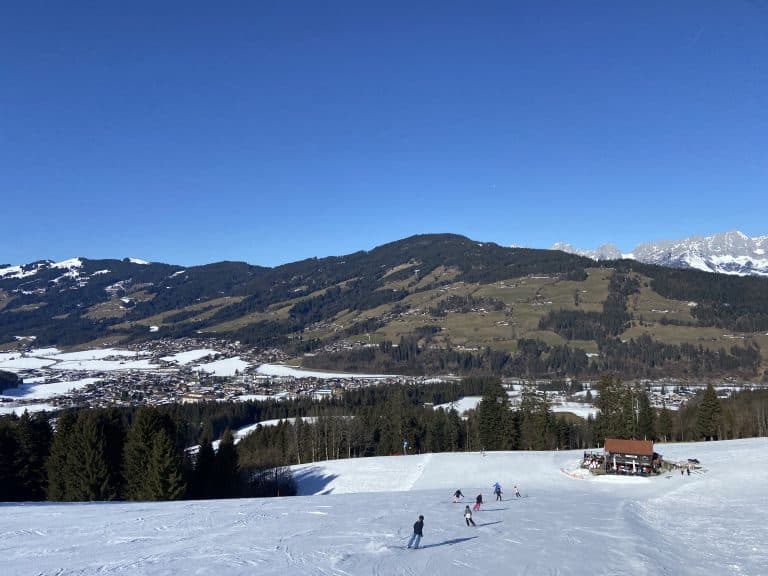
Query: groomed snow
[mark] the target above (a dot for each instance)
(357, 515)
(296, 372)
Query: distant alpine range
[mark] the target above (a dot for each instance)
(728, 253)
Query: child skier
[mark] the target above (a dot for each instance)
(517, 492)
(468, 516)
(457, 496)
(478, 503)
(497, 491)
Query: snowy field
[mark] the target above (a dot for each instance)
(32, 389)
(296, 372)
(356, 515)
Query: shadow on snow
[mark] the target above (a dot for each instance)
(449, 542)
(310, 481)
(489, 523)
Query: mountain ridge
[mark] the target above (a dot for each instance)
(460, 304)
(731, 252)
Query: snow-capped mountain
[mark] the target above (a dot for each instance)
(604, 252)
(729, 253)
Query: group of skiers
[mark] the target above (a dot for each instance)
(418, 526)
(457, 496)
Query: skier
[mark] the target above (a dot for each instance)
(497, 491)
(418, 526)
(517, 491)
(468, 516)
(478, 503)
(457, 496)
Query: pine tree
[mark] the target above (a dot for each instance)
(646, 418)
(665, 425)
(708, 415)
(59, 475)
(493, 417)
(535, 422)
(94, 476)
(616, 417)
(165, 474)
(139, 443)
(227, 467)
(205, 469)
(9, 450)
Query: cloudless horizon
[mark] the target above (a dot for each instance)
(191, 133)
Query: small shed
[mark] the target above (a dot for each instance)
(630, 457)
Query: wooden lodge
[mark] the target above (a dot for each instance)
(630, 457)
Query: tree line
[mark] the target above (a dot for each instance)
(96, 454)
(141, 453)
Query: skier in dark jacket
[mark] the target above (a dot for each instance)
(478, 503)
(418, 526)
(457, 496)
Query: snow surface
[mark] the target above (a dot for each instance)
(225, 367)
(241, 433)
(19, 410)
(95, 354)
(189, 356)
(581, 410)
(356, 515)
(20, 363)
(462, 405)
(296, 372)
(105, 365)
(94, 360)
(38, 390)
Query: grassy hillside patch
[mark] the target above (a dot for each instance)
(711, 338)
(653, 307)
(5, 299)
(113, 308)
(441, 274)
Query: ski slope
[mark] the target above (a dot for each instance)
(355, 515)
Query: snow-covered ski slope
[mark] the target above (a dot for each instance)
(357, 514)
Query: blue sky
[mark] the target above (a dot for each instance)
(193, 132)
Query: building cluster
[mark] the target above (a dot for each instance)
(179, 380)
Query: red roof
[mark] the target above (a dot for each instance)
(635, 447)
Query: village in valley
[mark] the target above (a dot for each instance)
(194, 370)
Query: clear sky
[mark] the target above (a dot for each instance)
(193, 132)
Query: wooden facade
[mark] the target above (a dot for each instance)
(630, 457)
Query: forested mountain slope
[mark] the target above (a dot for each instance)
(424, 303)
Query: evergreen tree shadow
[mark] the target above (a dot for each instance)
(489, 523)
(310, 481)
(449, 542)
